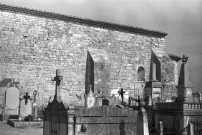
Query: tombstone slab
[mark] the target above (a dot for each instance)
(26, 105)
(25, 109)
(12, 101)
(12, 98)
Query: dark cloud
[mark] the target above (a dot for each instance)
(181, 19)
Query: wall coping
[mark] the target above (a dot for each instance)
(83, 21)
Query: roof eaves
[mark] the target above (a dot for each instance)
(82, 21)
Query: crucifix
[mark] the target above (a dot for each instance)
(121, 92)
(26, 97)
(58, 78)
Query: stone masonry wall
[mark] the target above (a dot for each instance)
(32, 48)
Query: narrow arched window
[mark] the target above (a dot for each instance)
(141, 74)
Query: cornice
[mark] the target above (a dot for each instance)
(82, 21)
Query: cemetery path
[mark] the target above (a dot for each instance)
(6, 129)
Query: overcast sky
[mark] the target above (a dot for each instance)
(181, 19)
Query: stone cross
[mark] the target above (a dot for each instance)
(58, 78)
(26, 97)
(35, 93)
(121, 92)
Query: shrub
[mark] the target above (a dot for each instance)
(28, 118)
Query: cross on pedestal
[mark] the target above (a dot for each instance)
(121, 92)
(26, 97)
(58, 78)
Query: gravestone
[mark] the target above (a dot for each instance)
(90, 99)
(114, 100)
(25, 105)
(12, 102)
(120, 94)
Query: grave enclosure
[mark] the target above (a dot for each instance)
(15, 104)
(16, 107)
(102, 118)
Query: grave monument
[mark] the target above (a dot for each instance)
(26, 105)
(101, 119)
(11, 102)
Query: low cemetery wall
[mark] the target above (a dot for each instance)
(108, 120)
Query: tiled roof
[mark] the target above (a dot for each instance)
(81, 21)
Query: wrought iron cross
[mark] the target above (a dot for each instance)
(121, 92)
(58, 78)
(26, 97)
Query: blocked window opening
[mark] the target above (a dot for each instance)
(141, 74)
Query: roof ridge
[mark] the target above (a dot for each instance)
(83, 21)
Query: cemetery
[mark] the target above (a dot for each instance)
(74, 76)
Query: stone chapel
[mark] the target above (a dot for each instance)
(33, 44)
